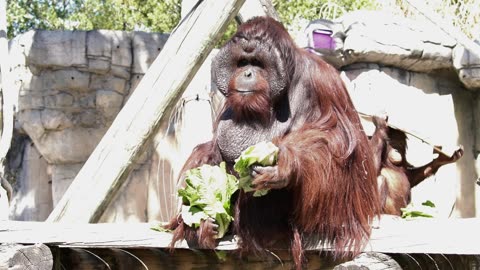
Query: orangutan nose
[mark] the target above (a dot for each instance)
(246, 82)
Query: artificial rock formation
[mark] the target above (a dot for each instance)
(467, 65)
(385, 39)
(71, 85)
(425, 82)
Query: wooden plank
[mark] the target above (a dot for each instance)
(433, 236)
(380, 261)
(36, 256)
(85, 235)
(390, 235)
(154, 259)
(370, 260)
(155, 96)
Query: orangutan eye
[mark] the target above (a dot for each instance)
(242, 63)
(257, 63)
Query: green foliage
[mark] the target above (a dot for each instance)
(262, 154)
(231, 29)
(292, 11)
(207, 193)
(425, 210)
(163, 15)
(23, 15)
(148, 15)
(464, 14)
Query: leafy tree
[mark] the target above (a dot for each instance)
(163, 15)
(149, 15)
(292, 12)
(153, 15)
(464, 14)
(23, 15)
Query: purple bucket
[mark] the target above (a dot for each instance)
(322, 39)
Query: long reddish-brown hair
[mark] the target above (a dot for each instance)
(331, 196)
(326, 156)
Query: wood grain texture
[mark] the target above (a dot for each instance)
(31, 257)
(390, 235)
(153, 259)
(416, 244)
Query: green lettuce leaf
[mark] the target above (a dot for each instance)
(208, 189)
(207, 193)
(263, 154)
(426, 210)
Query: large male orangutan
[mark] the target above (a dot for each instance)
(324, 182)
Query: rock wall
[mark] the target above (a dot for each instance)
(426, 83)
(437, 108)
(71, 85)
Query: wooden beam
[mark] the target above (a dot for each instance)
(390, 235)
(370, 260)
(37, 256)
(156, 259)
(410, 244)
(155, 96)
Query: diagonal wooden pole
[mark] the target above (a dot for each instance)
(161, 87)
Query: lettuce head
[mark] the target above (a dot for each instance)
(263, 154)
(207, 194)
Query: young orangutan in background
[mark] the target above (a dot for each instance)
(396, 177)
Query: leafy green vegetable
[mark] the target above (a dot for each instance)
(221, 255)
(208, 189)
(207, 193)
(264, 154)
(160, 228)
(426, 210)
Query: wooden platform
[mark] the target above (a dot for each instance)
(418, 244)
